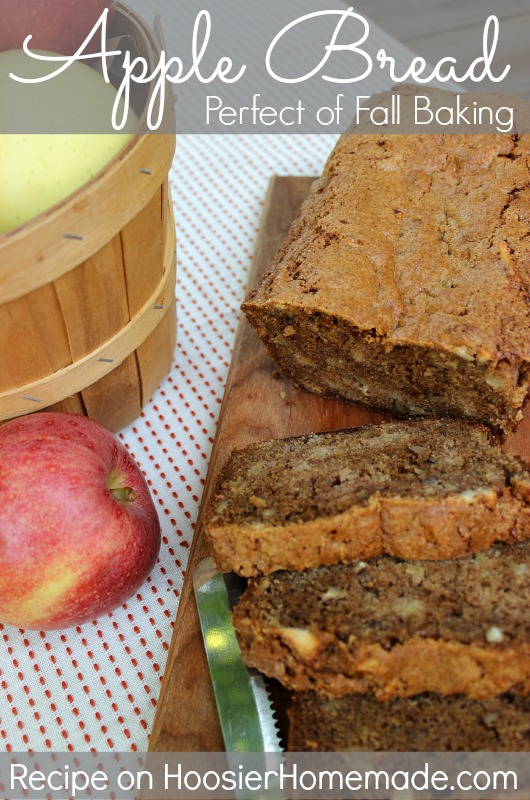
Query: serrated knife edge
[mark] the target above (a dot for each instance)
(243, 703)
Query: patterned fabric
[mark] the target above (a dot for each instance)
(96, 687)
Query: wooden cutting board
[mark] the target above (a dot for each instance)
(258, 404)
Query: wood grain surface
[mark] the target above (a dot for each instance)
(258, 404)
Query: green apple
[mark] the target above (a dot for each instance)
(55, 137)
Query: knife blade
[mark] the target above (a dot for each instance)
(243, 703)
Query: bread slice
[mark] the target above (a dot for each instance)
(394, 628)
(433, 489)
(403, 285)
(423, 723)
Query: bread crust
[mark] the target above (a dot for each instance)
(392, 628)
(333, 668)
(304, 534)
(407, 528)
(419, 245)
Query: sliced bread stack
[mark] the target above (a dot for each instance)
(390, 570)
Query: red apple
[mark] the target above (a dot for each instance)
(79, 532)
(57, 25)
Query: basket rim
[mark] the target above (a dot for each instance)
(89, 369)
(70, 232)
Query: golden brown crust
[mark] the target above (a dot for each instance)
(421, 245)
(377, 190)
(410, 528)
(432, 489)
(332, 669)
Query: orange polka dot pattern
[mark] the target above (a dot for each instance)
(96, 687)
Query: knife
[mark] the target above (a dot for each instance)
(243, 703)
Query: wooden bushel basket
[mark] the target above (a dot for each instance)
(87, 289)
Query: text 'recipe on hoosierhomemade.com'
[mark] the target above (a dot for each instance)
(346, 24)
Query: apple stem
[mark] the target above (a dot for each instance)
(124, 494)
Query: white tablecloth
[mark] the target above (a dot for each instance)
(96, 687)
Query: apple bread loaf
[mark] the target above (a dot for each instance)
(430, 489)
(404, 283)
(394, 628)
(423, 723)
